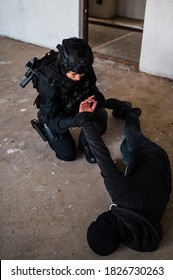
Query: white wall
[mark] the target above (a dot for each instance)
(131, 8)
(125, 8)
(40, 22)
(157, 44)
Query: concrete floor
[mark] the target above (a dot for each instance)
(47, 204)
(119, 44)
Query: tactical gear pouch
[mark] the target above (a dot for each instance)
(37, 101)
(34, 81)
(38, 127)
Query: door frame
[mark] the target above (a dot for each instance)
(84, 9)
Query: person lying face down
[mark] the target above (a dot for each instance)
(140, 196)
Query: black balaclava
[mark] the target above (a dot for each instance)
(103, 235)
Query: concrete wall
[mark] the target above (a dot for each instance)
(131, 8)
(40, 22)
(157, 44)
(46, 23)
(106, 9)
(124, 8)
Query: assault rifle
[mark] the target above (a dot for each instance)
(31, 67)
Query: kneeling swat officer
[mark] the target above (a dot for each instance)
(64, 79)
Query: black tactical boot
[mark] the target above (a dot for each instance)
(88, 154)
(137, 111)
(115, 104)
(122, 115)
(119, 107)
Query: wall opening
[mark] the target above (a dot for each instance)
(115, 28)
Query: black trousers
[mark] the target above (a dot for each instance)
(64, 145)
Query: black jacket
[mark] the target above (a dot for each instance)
(59, 96)
(138, 231)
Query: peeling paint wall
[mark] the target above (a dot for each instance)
(39, 22)
(157, 43)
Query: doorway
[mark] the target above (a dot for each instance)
(116, 31)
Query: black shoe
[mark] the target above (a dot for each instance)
(138, 111)
(88, 154)
(123, 113)
(118, 105)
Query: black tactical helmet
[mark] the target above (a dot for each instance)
(76, 55)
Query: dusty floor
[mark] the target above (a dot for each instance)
(47, 204)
